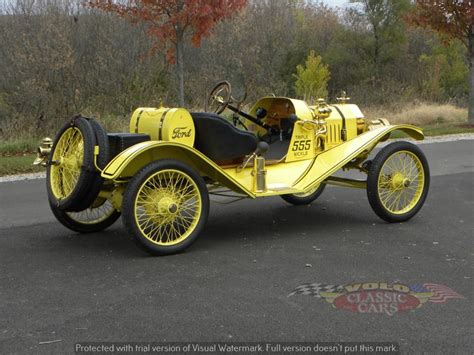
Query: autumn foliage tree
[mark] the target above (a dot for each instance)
(452, 19)
(172, 22)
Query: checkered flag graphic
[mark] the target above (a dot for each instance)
(315, 288)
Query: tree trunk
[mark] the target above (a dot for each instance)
(180, 70)
(180, 55)
(471, 77)
(376, 57)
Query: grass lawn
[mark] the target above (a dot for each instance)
(442, 129)
(10, 165)
(17, 146)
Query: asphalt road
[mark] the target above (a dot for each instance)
(233, 284)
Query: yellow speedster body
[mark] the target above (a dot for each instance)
(161, 175)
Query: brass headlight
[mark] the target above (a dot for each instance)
(43, 152)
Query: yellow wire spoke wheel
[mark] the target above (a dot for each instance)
(93, 215)
(67, 161)
(73, 183)
(401, 181)
(93, 219)
(398, 182)
(165, 207)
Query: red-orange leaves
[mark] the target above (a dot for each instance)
(451, 18)
(170, 20)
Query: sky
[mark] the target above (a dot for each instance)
(336, 2)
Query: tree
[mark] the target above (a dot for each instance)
(312, 79)
(310, 26)
(452, 19)
(444, 71)
(386, 26)
(171, 22)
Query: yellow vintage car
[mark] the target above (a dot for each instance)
(160, 175)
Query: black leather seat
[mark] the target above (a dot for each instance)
(219, 140)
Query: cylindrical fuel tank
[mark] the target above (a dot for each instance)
(164, 124)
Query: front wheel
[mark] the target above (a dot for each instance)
(304, 198)
(398, 182)
(165, 207)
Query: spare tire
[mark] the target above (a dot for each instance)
(72, 180)
(102, 140)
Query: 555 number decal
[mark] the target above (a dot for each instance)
(301, 145)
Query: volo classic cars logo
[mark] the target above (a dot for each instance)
(378, 297)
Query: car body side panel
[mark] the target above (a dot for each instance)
(131, 160)
(282, 178)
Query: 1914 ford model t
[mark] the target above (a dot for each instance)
(159, 176)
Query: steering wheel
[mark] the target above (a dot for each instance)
(219, 97)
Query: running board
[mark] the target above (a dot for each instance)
(338, 181)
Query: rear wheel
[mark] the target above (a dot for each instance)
(398, 182)
(165, 207)
(304, 198)
(93, 219)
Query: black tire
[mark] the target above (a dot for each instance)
(373, 181)
(102, 140)
(304, 200)
(74, 201)
(67, 219)
(128, 207)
